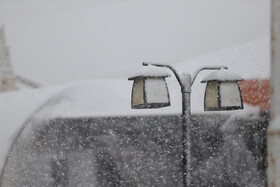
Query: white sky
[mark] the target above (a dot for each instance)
(58, 41)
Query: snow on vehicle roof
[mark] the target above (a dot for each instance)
(249, 60)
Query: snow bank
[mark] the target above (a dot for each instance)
(248, 60)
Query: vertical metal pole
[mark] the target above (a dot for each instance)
(273, 133)
(186, 81)
(186, 129)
